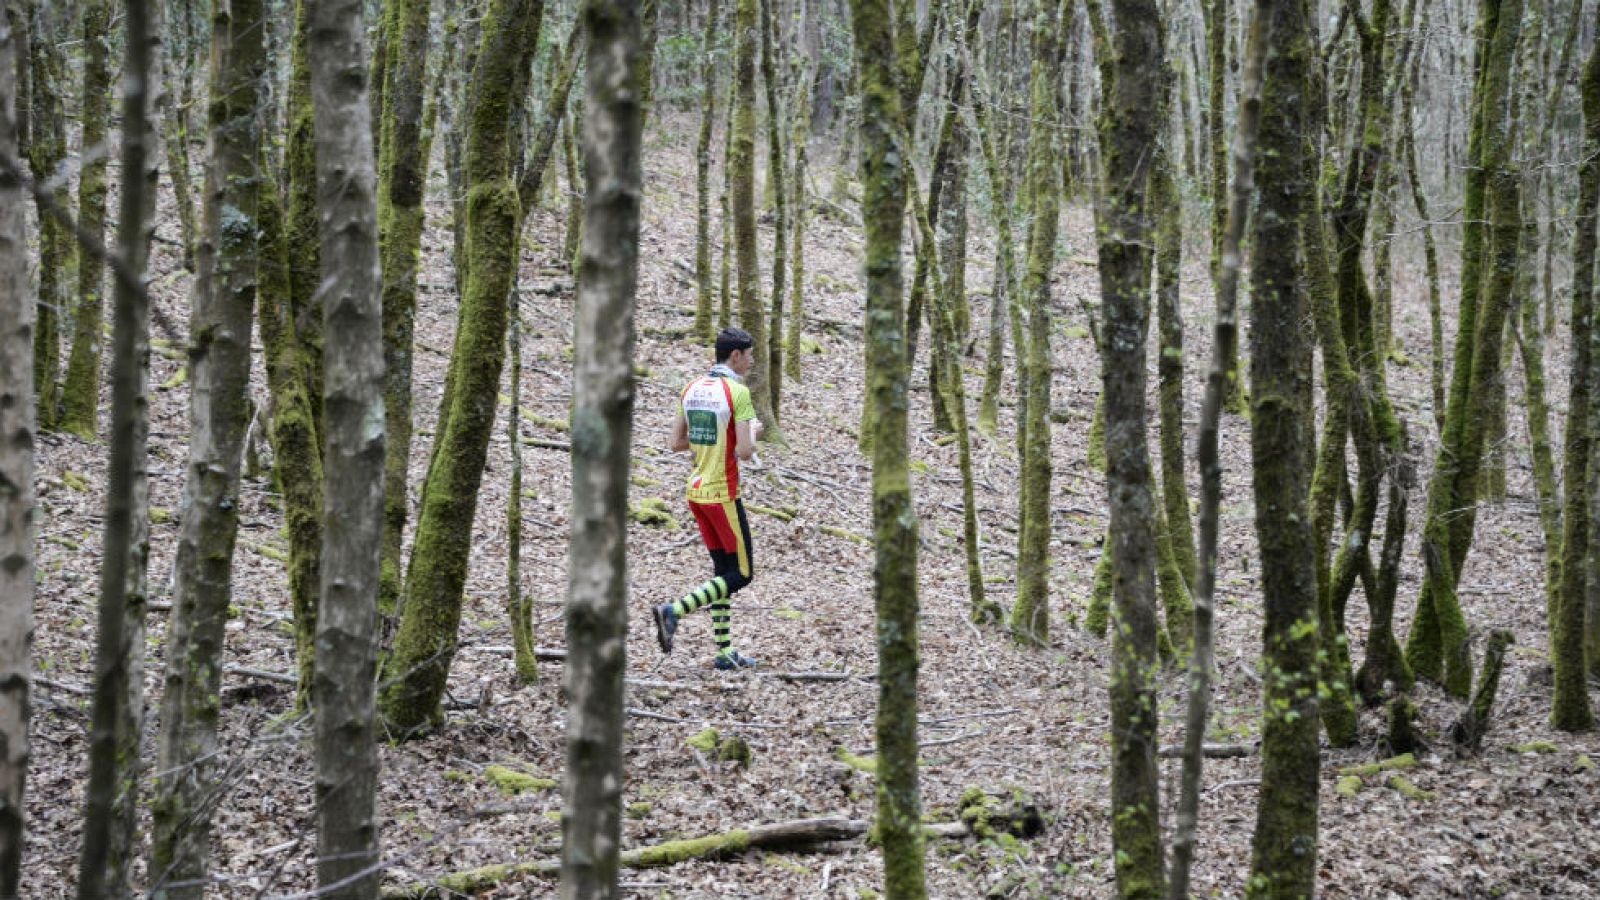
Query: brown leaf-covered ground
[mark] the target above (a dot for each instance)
(1506, 824)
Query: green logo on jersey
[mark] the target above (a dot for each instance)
(702, 427)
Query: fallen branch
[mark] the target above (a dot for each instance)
(261, 674)
(1213, 751)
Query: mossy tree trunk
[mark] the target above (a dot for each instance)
(17, 425)
(80, 393)
(174, 103)
(111, 836)
(345, 689)
(1223, 348)
(402, 183)
(777, 180)
(46, 149)
(1217, 24)
(991, 139)
(1284, 850)
(742, 190)
(602, 430)
(1570, 709)
(187, 755)
(1030, 616)
(305, 244)
(884, 180)
(416, 670)
(703, 329)
(1128, 140)
(1437, 646)
(801, 139)
(1408, 153)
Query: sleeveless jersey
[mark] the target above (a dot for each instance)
(711, 407)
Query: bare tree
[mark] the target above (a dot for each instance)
(16, 472)
(602, 433)
(111, 808)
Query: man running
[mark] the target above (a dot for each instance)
(717, 423)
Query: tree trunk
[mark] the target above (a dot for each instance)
(703, 329)
(17, 527)
(1569, 707)
(1222, 350)
(801, 138)
(742, 188)
(305, 242)
(1284, 857)
(777, 179)
(1128, 140)
(1030, 617)
(47, 148)
(80, 394)
(353, 304)
(110, 841)
(602, 430)
(187, 756)
(520, 606)
(884, 180)
(1437, 646)
(402, 184)
(416, 671)
(1216, 19)
(174, 112)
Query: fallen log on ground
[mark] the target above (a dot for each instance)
(1213, 751)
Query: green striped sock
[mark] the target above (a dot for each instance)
(702, 596)
(722, 624)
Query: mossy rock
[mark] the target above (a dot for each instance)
(1409, 790)
(511, 782)
(639, 810)
(653, 512)
(1583, 763)
(1349, 786)
(736, 750)
(705, 741)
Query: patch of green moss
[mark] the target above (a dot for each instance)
(867, 764)
(845, 533)
(644, 481)
(705, 741)
(457, 776)
(653, 512)
(1535, 747)
(269, 551)
(639, 810)
(178, 379)
(793, 615)
(1403, 761)
(75, 482)
(1410, 791)
(160, 515)
(1583, 763)
(1349, 786)
(785, 863)
(510, 782)
(671, 853)
(785, 514)
(735, 749)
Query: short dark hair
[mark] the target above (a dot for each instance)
(731, 339)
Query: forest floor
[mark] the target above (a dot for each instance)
(1514, 823)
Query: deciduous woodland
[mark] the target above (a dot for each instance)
(1178, 430)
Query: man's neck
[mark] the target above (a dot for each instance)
(721, 370)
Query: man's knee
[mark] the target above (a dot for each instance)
(736, 579)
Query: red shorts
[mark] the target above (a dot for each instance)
(723, 529)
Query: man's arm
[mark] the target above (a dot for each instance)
(745, 434)
(680, 435)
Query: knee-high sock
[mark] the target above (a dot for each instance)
(705, 595)
(722, 624)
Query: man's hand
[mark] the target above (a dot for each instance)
(755, 430)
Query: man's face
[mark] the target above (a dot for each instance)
(740, 361)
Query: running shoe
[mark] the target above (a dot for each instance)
(666, 625)
(732, 660)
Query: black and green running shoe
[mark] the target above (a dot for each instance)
(666, 625)
(731, 660)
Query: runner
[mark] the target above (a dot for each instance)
(717, 423)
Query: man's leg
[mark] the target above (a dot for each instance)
(736, 569)
(718, 535)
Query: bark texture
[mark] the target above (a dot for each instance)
(884, 180)
(602, 431)
(344, 689)
(16, 479)
(219, 374)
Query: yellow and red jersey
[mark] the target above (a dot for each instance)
(711, 407)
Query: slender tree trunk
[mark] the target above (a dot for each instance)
(602, 416)
(47, 148)
(110, 840)
(703, 329)
(1408, 151)
(1216, 17)
(1222, 349)
(174, 112)
(742, 188)
(884, 180)
(353, 509)
(777, 179)
(1030, 616)
(17, 426)
(302, 228)
(403, 176)
(1570, 709)
(416, 671)
(187, 758)
(1129, 143)
(80, 394)
(1284, 850)
(801, 138)
(1437, 646)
